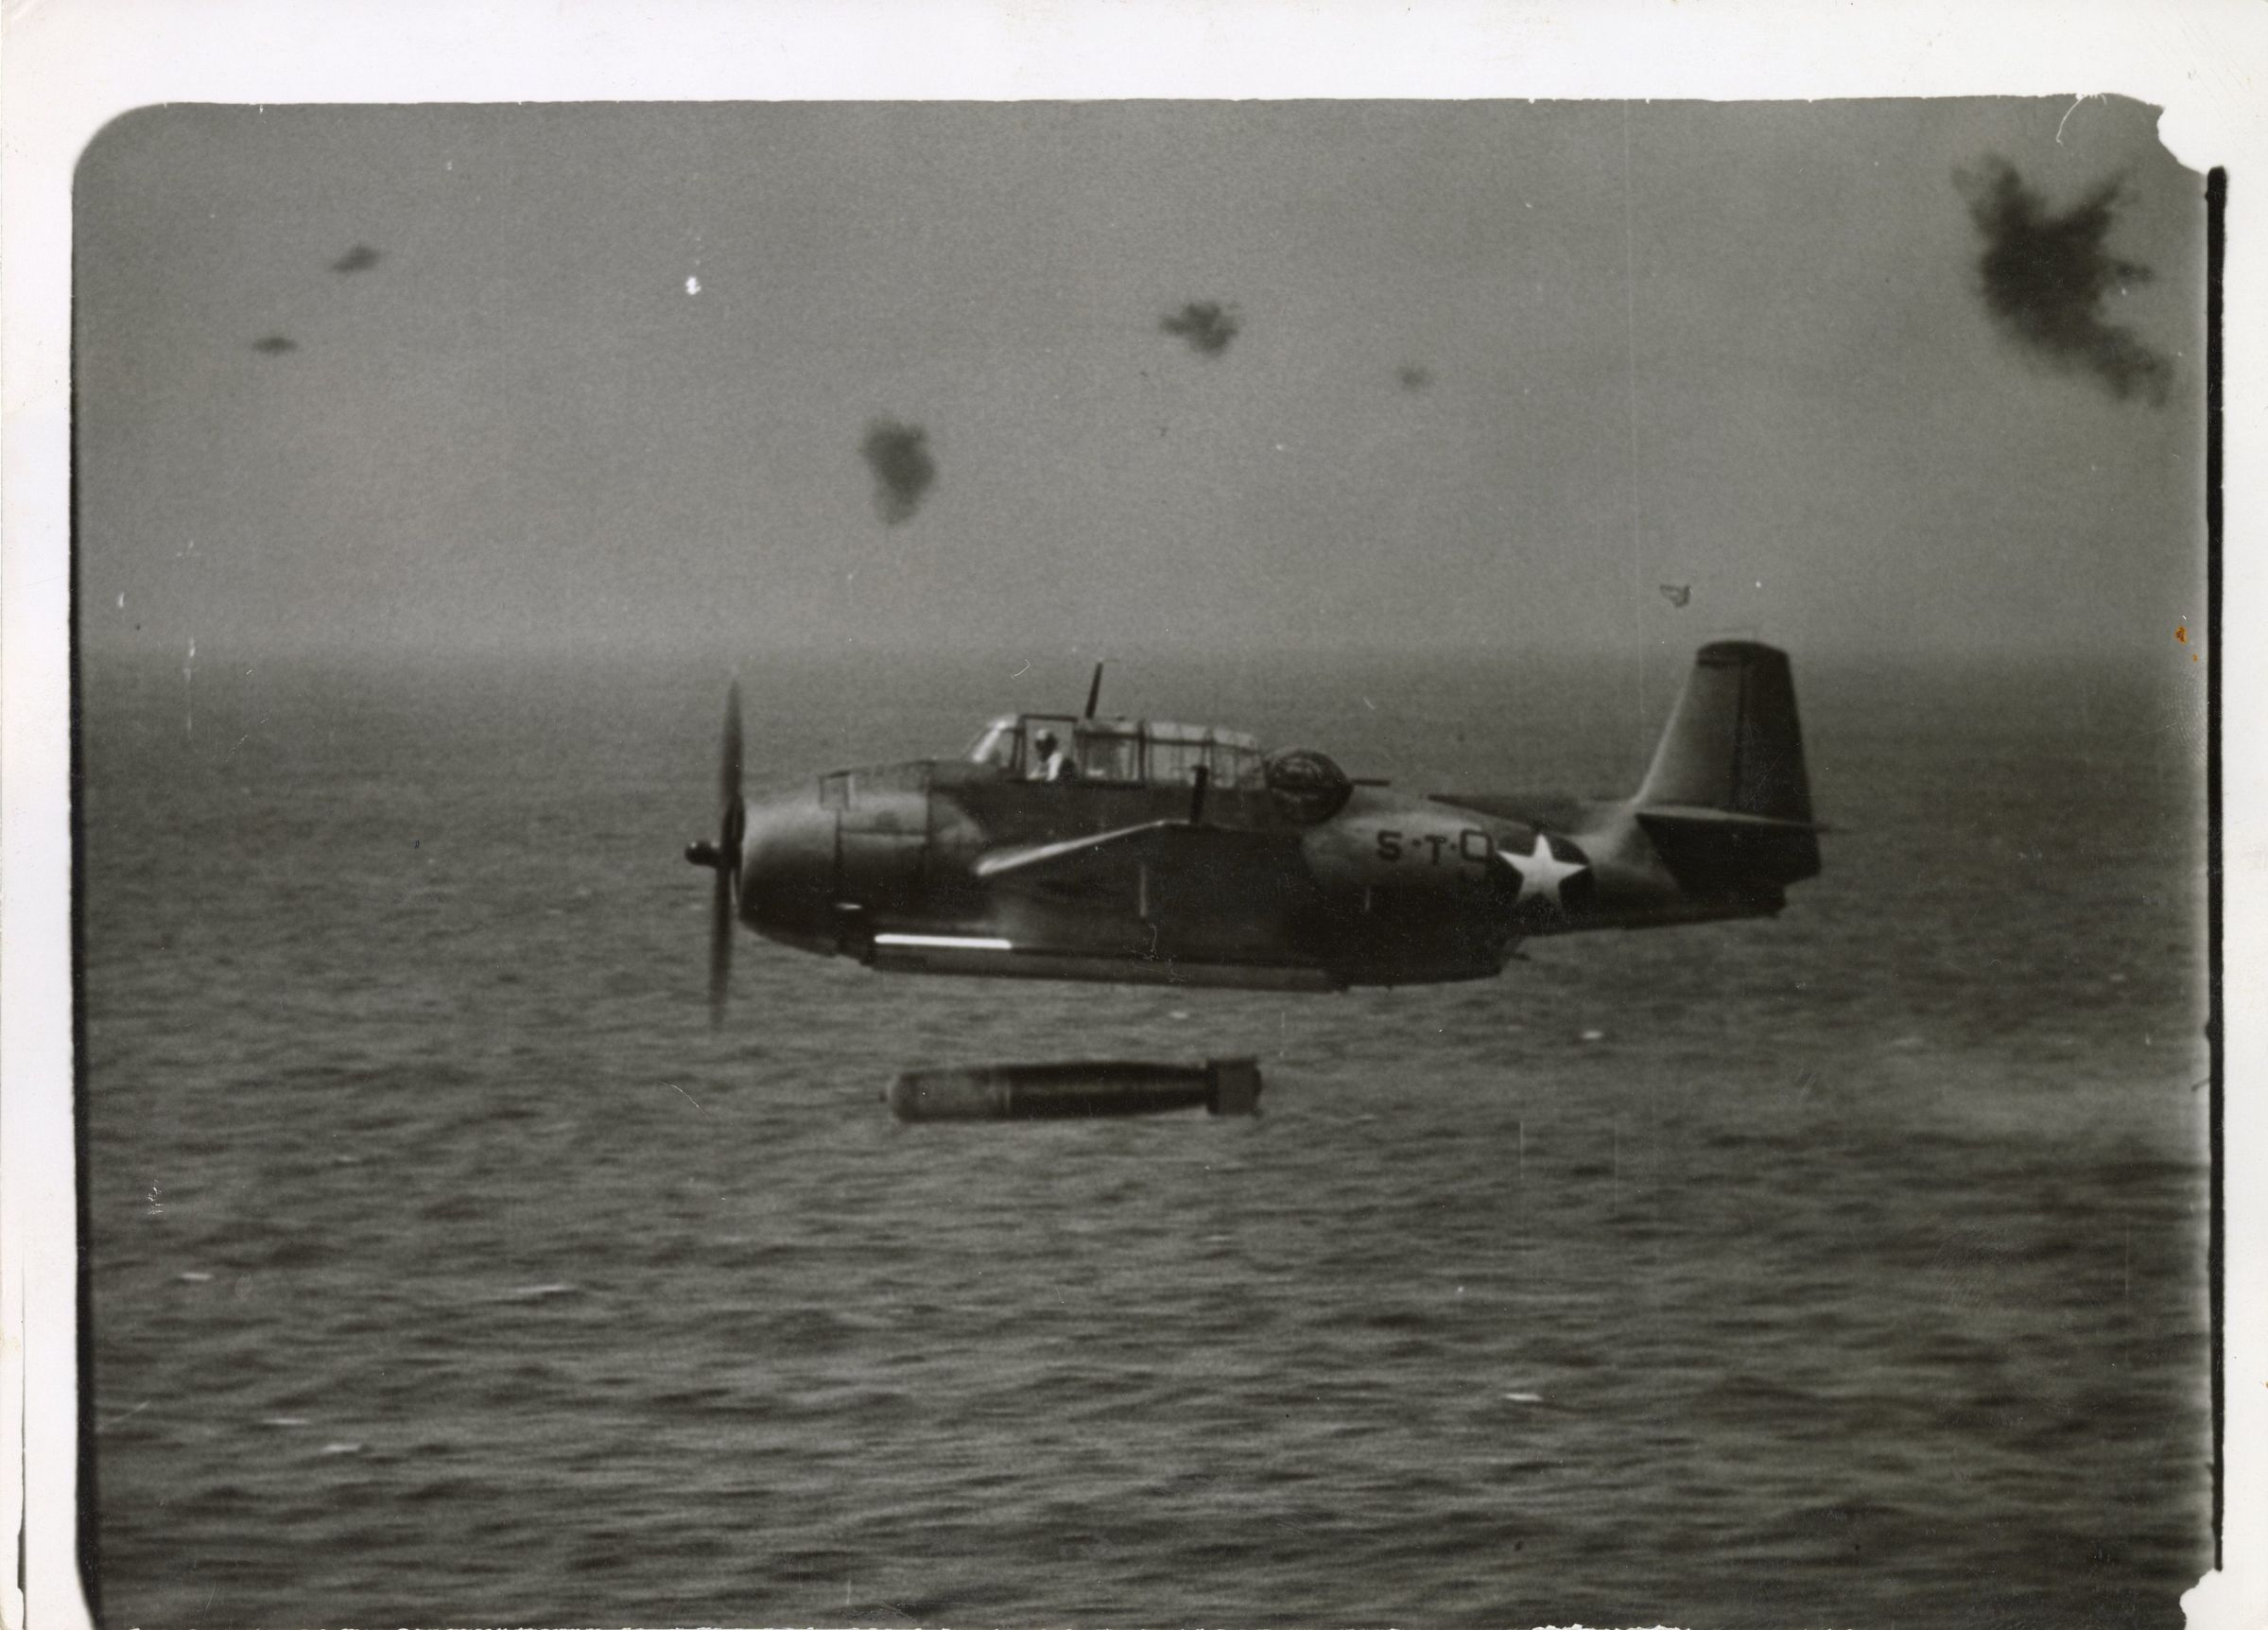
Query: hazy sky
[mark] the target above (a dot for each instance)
(1497, 371)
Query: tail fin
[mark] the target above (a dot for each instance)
(1726, 801)
(1733, 743)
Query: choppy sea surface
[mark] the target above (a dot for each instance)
(447, 1267)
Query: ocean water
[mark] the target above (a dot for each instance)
(447, 1267)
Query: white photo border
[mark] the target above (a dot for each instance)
(67, 67)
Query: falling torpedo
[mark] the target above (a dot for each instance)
(1076, 1090)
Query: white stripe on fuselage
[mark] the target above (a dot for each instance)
(945, 941)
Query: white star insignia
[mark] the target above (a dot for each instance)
(1542, 872)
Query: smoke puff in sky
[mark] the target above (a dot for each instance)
(1414, 378)
(2044, 276)
(360, 258)
(275, 345)
(899, 456)
(1205, 324)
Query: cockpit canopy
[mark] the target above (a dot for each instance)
(1119, 751)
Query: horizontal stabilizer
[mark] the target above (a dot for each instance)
(1715, 850)
(1695, 815)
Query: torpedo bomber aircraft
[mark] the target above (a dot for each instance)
(1141, 852)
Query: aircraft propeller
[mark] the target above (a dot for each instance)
(723, 858)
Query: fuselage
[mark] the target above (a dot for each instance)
(1143, 851)
(946, 866)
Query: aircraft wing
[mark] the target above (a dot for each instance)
(1111, 852)
(1181, 869)
(1228, 890)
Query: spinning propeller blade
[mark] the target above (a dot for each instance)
(725, 899)
(721, 945)
(728, 789)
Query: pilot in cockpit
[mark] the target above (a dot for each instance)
(1050, 762)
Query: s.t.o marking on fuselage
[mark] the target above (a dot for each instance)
(1472, 845)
